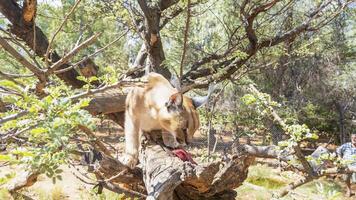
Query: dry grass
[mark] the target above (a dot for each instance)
(263, 181)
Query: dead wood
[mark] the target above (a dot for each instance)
(167, 177)
(29, 10)
(25, 179)
(161, 175)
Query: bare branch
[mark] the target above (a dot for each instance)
(15, 41)
(72, 53)
(167, 19)
(38, 72)
(120, 190)
(293, 186)
(249, 18)
(12, 117)
(59, 29)
(141, 56)
(91, 55)
(11, 78)
(164, 4)
(227, 68)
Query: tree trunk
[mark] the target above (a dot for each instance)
(151, 35)
(341, 111)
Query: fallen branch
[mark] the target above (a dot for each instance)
(13, 116)
(292, 186)
(25, 179)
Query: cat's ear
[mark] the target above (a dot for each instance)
(175, 102)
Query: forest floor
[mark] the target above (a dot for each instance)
(261, 183)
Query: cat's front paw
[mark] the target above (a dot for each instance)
(129, 160)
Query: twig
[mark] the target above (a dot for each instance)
(120, 190)
(81, 179)
(292, 186)
(16, 41)
(8, 76)
(89, 133)
(116, 85)
(13, 135)
(81, 95)
(115, 176)
(5, 164)
(11, 78)
(14, 116)
(59, 29)
(69, 55)
(89, 56)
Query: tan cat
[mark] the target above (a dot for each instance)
(158, 106)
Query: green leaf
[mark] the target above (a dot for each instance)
(82, 78)
(10, 84)
(84, 102)
(93, 78)
(5, 158)
(38, 131)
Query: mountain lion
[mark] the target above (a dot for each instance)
(159, 106)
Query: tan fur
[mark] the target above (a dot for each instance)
(146, 110)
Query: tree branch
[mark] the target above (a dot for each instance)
(89, 56)
(59, 29)
(38, 72)
(72, 53)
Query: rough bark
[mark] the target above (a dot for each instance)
(2, 106)
(341, 111)
(152, 40)
(29, 10)
(106, 102)
(167, 177)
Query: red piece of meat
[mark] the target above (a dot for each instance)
(183, 155)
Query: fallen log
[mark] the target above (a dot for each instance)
(165, 176)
